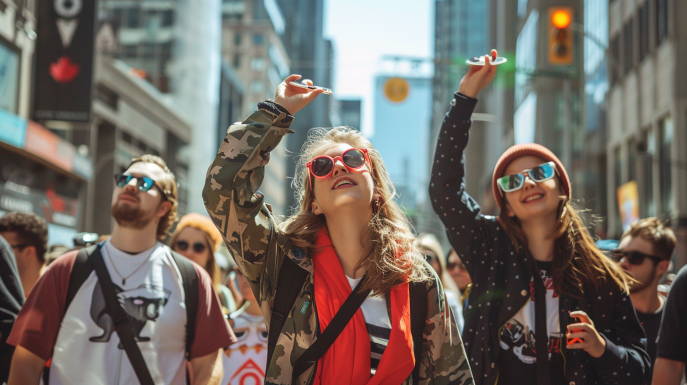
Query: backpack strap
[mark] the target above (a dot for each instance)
(289, 283)
(80, 272)
(418, 317)
(190, 282)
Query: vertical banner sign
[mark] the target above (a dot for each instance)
(64, 60)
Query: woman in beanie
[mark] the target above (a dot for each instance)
(197, 239)
(535, 264)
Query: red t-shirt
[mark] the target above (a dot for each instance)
(81, 339)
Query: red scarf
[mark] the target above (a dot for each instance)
(347, 361)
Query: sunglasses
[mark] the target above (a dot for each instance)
(143, 183)
(322, 166)
(455, 265)
(633, 257)
(198, 247)
(541, 173)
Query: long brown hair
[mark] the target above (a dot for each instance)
(393, 258)
(577, 262)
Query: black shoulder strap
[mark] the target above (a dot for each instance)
(289, 284)
(122, 322)
(80, 271)
(335, 327)
(418, 318)
(189, 279)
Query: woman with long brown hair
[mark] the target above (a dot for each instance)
(546, 306)
(348, 239)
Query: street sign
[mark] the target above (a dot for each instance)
(396, 89)
(64, 60)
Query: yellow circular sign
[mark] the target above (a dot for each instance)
(396, 89)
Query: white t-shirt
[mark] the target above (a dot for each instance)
(245, 361)
(153, 294)
(377, 322)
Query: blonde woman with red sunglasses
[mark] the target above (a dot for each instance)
(546, 305)
(348, 235)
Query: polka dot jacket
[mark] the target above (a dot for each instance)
(501, 277)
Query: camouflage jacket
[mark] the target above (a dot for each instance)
(259, 248)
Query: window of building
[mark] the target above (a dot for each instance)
(631, 160)
(666, 165)
(237, 38)
(236, 61)
(628, 47)
(617, 182)
(132, 18)
(257, 64)
(9, 82)
(167, 18)
(643, 21)
(258, 39)
(648, 156)
(661, 21)
(614, 48)
(257, 87)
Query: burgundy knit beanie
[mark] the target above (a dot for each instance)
(526, 149)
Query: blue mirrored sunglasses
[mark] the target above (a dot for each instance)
(541, 173)
(143, 183)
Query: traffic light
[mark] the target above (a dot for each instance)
(561, 36)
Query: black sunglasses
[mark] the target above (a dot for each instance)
(454, 265)
(143, 183)
(20, 246)
(198, 247)
(633, 257)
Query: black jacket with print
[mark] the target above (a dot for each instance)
(501, 277)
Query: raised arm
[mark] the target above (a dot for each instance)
(467, 229)
(231, 194)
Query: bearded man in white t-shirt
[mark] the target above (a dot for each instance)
(79, 337)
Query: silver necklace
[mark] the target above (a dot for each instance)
(145, 260)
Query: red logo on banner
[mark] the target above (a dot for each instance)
(249, 373)
(64, 70)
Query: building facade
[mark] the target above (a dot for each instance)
(252, 49)
(647, 113)
(401, 123)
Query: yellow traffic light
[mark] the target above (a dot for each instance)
(560, 36)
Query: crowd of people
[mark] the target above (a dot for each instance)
(342, 291)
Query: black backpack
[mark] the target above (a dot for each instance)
(291, 280)
(83, 268)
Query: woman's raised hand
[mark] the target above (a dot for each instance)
(294, 98)
(478, 76)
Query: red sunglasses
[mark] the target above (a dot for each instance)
(354, 159)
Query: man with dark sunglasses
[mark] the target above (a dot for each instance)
(644, 253)
(81, 337)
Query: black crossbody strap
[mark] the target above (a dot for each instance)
(418, 318)
(289, 284)
(121, 320)
(335, 327)
(541, 334)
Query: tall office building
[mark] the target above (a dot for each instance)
(647, 114)
(400, 125)
(460, 32)
(349, 112)
(311, 55)
(252, 49)
(166, 45)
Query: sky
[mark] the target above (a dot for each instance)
(365, 30)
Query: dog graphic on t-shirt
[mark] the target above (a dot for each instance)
(141, 304)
